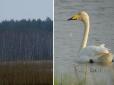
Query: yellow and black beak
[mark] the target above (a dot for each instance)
(70, 19)
(75, 17)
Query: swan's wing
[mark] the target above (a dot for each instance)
(102, 45)
(102, 54)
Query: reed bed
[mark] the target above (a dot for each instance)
(26, 73)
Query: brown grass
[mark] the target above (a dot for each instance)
(26, 73)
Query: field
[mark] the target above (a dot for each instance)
(26, 73)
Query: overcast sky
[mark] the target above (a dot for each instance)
(19, 9)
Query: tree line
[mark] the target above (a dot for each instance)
(27, 25)
(26, 40)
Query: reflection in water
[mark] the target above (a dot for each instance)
(67, 38)
(96, 67)
(94, 72)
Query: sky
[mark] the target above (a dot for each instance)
(25, 9)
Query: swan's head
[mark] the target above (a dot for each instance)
(82, 16)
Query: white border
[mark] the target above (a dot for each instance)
(53, 42)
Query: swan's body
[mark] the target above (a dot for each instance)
(95, 53)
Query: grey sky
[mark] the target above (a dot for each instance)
(19, 9)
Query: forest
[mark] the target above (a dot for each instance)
(26, 39)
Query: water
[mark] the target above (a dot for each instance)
(68, 36)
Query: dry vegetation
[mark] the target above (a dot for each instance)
(26, 73)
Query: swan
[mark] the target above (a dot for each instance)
(91, 53)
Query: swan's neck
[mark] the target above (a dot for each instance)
(86, 33)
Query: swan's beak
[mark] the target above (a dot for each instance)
(69, 19)
(75, 17)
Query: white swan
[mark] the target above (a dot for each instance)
(91, 53)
